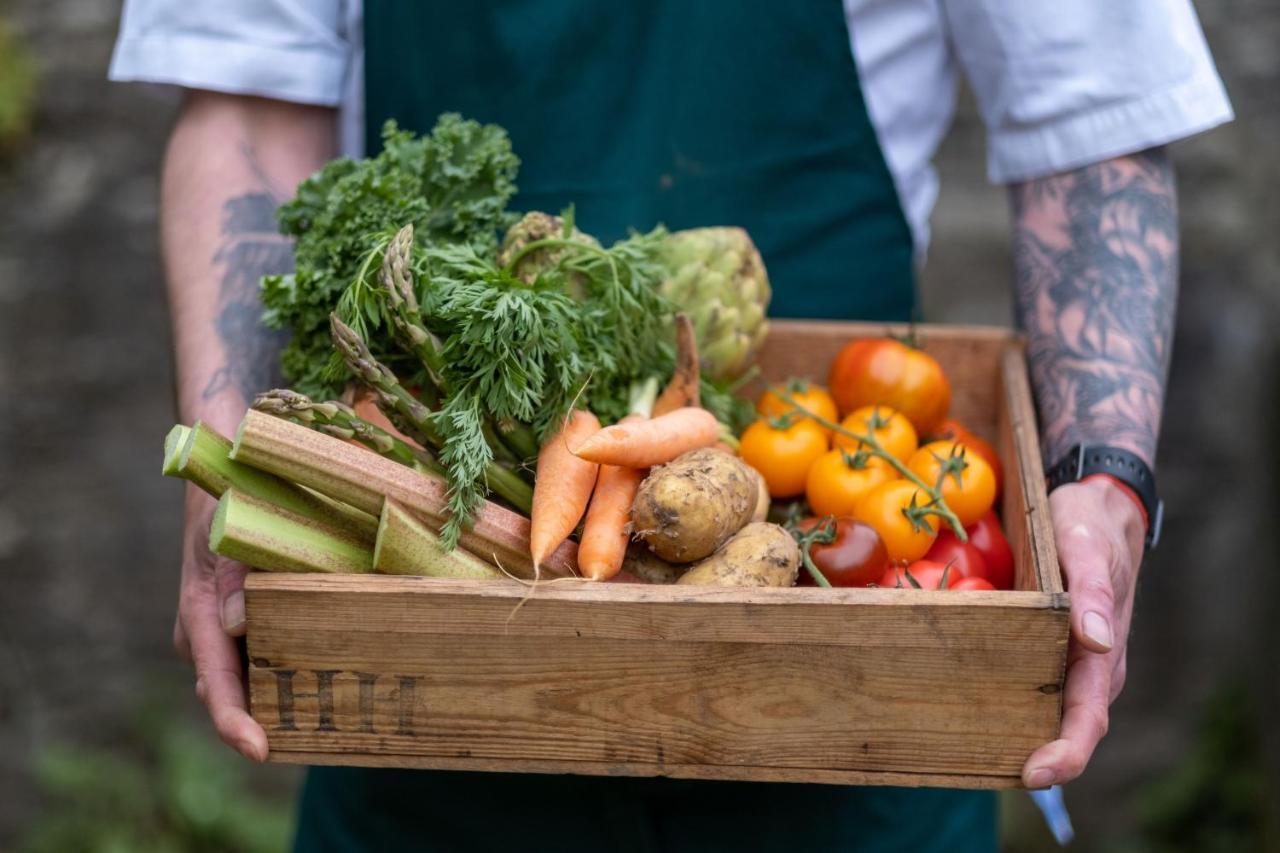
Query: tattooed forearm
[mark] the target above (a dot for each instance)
(251, 248)
(1096, 267)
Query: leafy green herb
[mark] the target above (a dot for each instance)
(526, 352)
(552, 321)
(453, 185)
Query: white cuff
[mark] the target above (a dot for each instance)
(1183, 110)
(310, 76)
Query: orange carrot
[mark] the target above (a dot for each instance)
(603, 543)
(683, 388)
(642, 444)
(562, 486)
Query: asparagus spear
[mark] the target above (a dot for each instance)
(393, 398)
(406, 316)
(512, 440)
(340, 421)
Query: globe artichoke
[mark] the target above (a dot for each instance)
(718, 278)
(531, 228)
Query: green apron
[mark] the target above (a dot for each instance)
(701, 112)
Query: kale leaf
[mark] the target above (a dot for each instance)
(453, 185)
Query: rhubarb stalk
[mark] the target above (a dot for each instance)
(354, 476)
(200, 455)
(406, 546)
(263, 535)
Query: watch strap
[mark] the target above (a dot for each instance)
(1084, 460)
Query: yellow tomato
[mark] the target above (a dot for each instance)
(783, 455)
(889, 427)
(968, 484)
(837, 481)
(808, 395)
(887, 509)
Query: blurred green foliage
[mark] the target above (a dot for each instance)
(177, 790)
(17, 88)
(1216, 799)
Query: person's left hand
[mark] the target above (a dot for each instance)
(1099, 530)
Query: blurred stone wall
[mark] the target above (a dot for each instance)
(89, 530)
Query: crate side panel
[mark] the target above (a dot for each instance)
(652, 703)
(1026, 503)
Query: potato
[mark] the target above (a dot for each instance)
(689, 507)
(760, 554)
(762, 502)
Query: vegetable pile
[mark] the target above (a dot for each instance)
(888, 509)
(478, 393)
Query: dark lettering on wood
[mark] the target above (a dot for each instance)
(404, 696)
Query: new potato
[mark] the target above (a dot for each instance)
(689, 507)
(760, 554)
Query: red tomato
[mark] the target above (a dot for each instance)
(985, 535)
(856, 557)
(927, 573)
(965, 560)
(888, 372)
(971, 583)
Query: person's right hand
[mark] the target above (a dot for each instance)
(210, 616)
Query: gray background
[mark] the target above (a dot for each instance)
(89, 530)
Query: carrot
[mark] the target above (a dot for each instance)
(603, 543)
(683, 389)
(642, 444)
(562, 486)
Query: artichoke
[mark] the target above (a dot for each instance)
(531, 228)
(717, 277)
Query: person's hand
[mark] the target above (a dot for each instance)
(210, 615)
(1099, 531)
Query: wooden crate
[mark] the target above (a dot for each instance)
(851, 686)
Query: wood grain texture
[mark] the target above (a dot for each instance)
(711, 772)
(646, 677)
(851, 686)
(1026, 502)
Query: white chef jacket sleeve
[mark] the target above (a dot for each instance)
(290, 50)
(1064, 83)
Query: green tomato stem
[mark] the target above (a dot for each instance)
(937, 507)
(819, 578)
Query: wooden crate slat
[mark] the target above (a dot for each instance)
(1026, 505)
(649, 703)
(387, 758)
(800, 616)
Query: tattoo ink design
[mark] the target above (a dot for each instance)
(1096, 264)
(251, 248)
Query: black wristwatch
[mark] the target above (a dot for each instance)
(1084, 460)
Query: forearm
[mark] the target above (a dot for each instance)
(1096, 268)
(230, 161)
